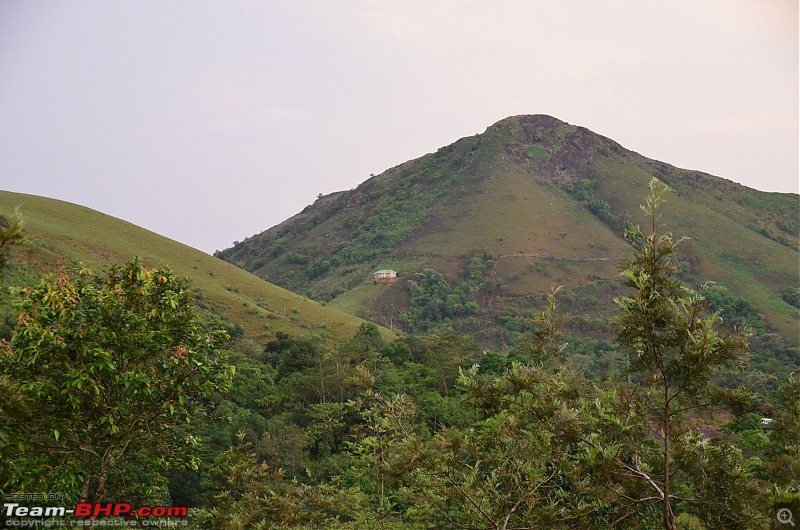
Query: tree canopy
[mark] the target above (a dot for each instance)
(424, 432)
(109, 366)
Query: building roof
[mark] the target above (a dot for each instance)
(385, 271)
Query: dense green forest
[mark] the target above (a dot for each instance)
(114, 389)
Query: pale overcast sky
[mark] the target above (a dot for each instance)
(208, 121)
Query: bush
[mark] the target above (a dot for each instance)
(791, 295)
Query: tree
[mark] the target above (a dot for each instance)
(243, 492)
(110, 365)
(515, 465)
(672, 342)
(783, 451)
(433, 302)
(10, 235)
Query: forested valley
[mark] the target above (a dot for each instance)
(114, 388)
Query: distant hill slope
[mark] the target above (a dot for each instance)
(64, 234)
(547, 202)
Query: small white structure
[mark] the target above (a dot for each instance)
(384, 274)
(766, 421)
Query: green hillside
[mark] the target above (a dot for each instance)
(545, 203)
(64, 234)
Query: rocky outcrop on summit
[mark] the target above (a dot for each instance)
(557, 150)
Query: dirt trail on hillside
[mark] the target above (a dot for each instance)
(524, 255)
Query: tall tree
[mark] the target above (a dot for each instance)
(671, 340)
(110, 364)
(783, 450)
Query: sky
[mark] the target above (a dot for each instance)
(210, 121)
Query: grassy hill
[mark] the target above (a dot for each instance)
(545, 203)
(65, 234)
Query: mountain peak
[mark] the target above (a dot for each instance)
(554, 149)
(538, 120)
(547, 201)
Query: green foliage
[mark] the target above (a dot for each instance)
(376, 230)
(501, 197)
(538, 152)
(734, 310)
(67, 234)
(109, 365)
(298, 259)
(477, 267)
(672, 342)
(436, 432)
(10, 235)
(11, 403)
(369, 434)
(593, 358)
(601, 209)
(242, 492)
(791, 295)
(783, 453)
(583, 190)
(368, 337)
(511, 468)
(436, 306)
(434, 303)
